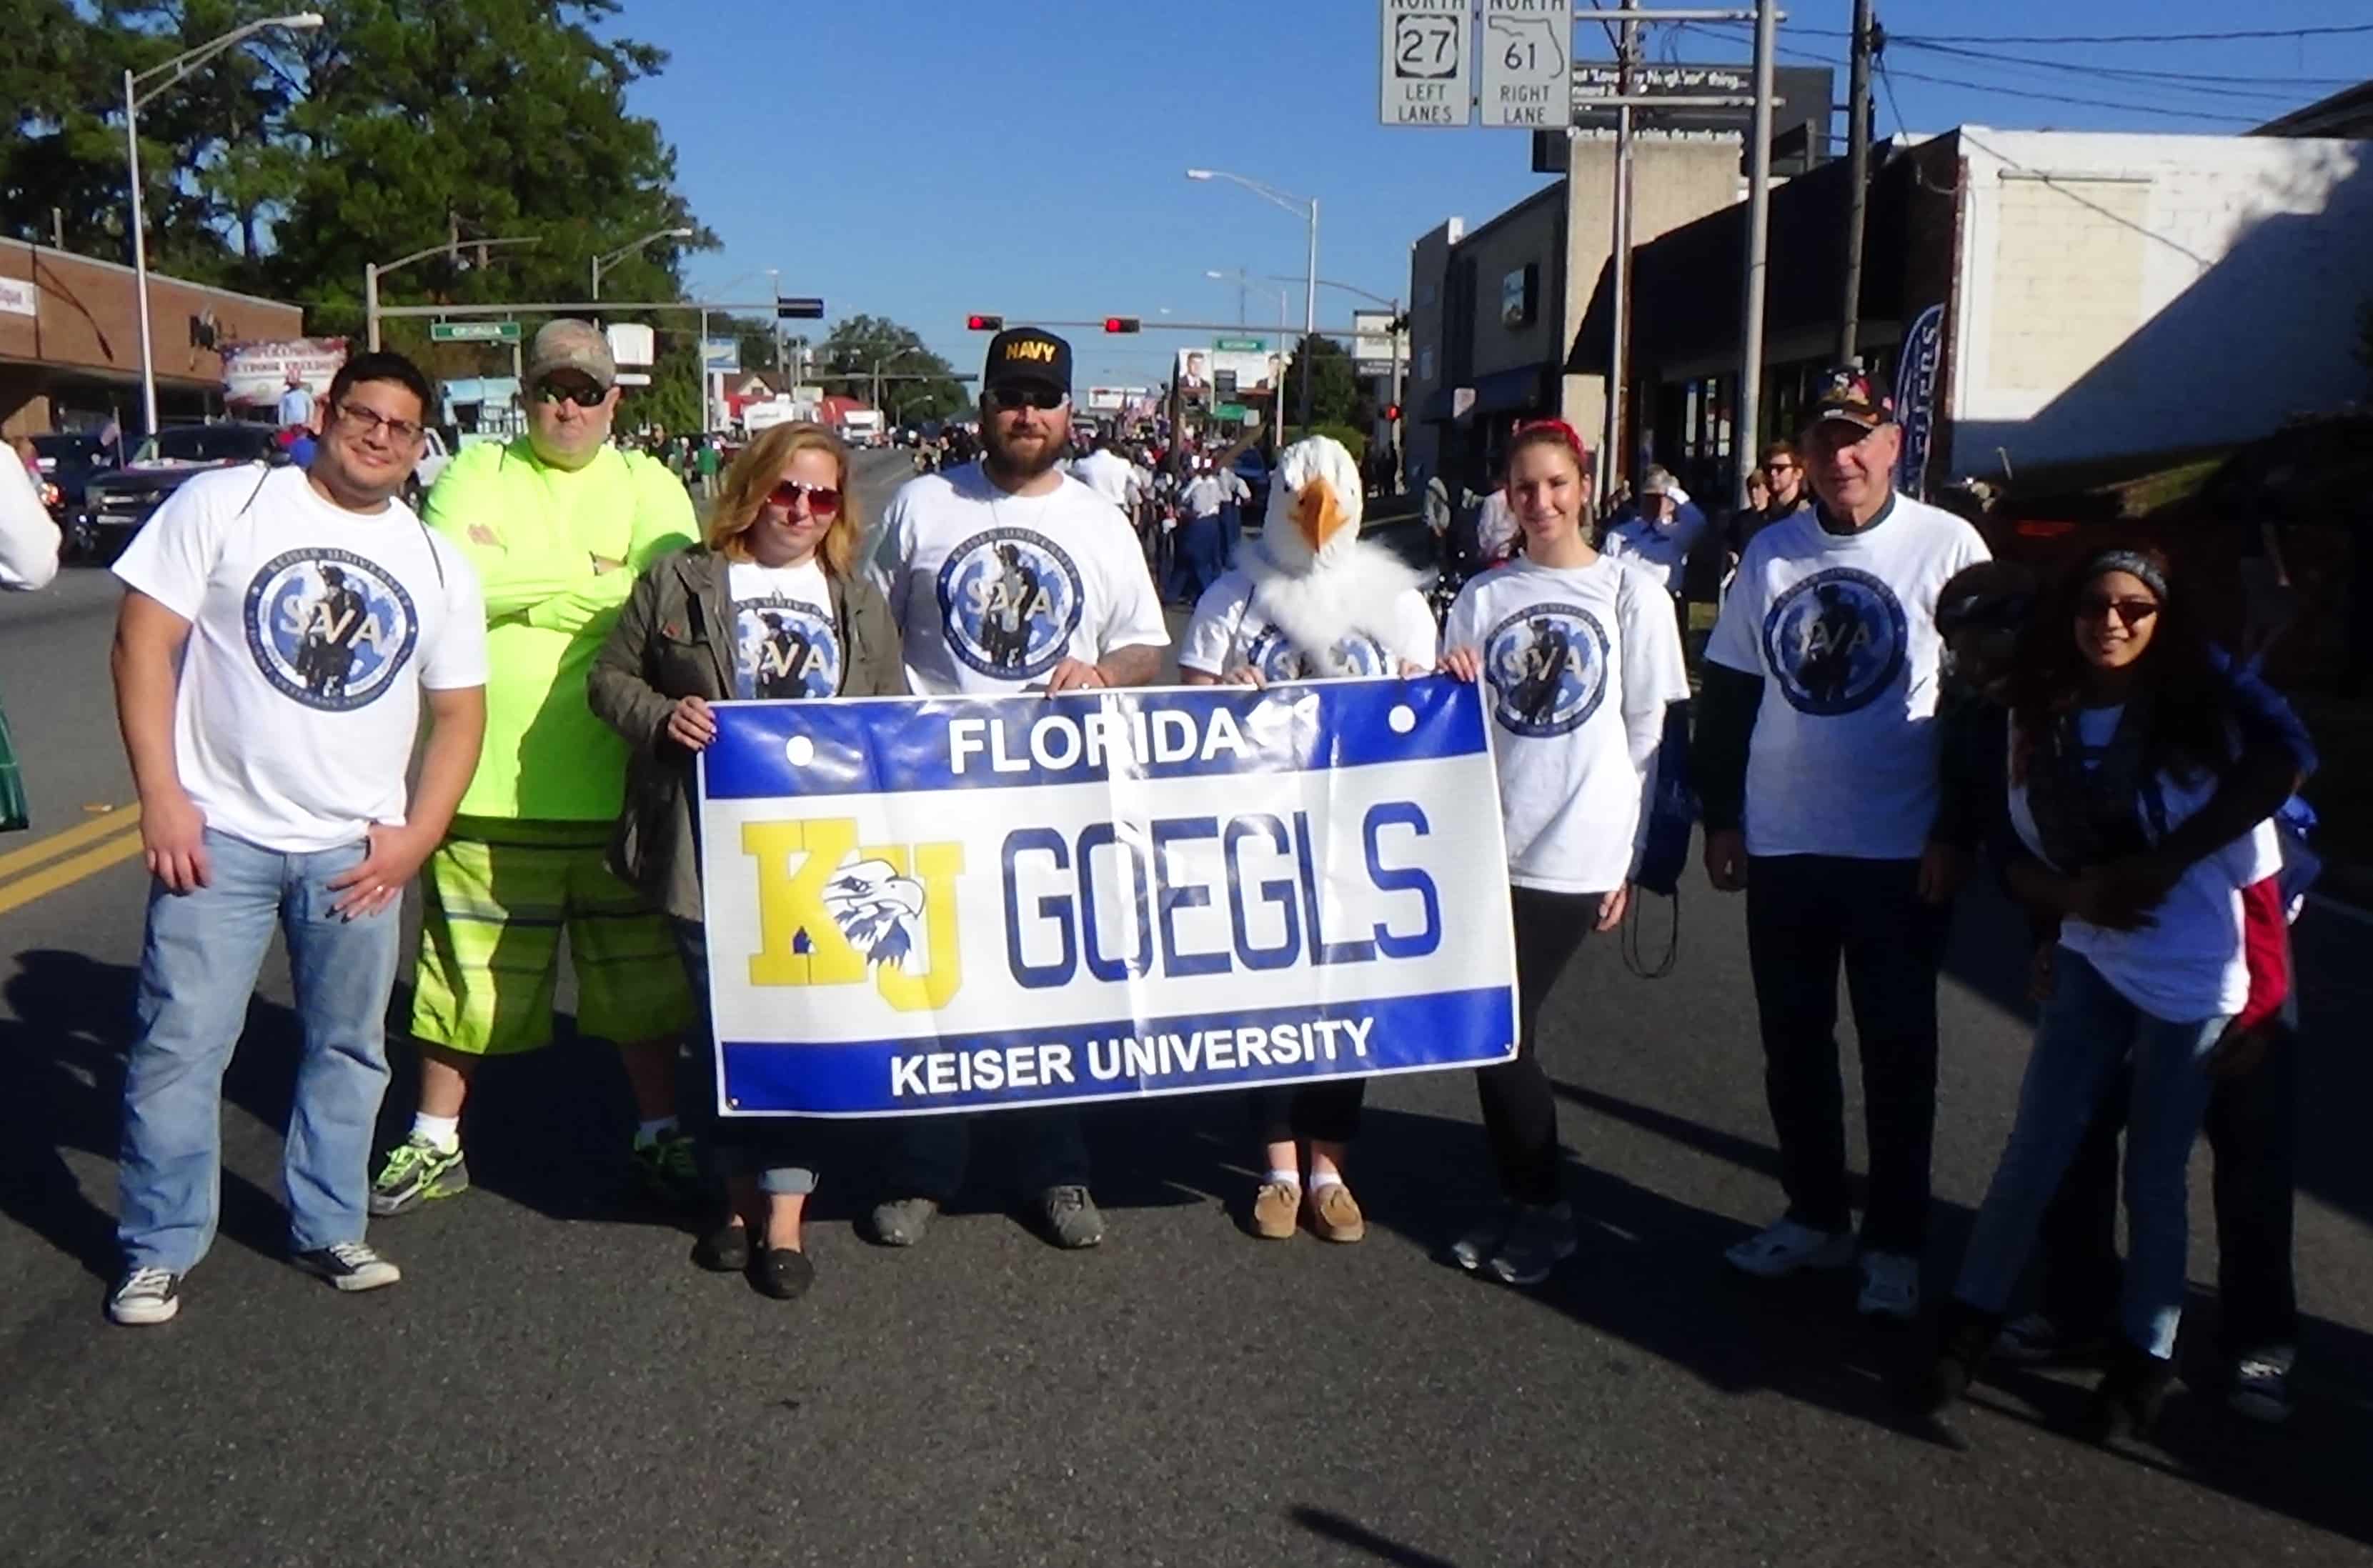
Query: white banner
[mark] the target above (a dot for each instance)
(258, 372)
(926, 905)
(20, 297)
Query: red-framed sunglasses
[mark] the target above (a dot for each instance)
(824, 501)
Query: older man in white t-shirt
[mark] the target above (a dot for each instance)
(281, 631)
(1819, 757)
(1009, 576)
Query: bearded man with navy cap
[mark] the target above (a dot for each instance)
(1819, 756)
(1008, 575)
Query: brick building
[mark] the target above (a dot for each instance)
(70, 340)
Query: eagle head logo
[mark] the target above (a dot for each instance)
(876, 910)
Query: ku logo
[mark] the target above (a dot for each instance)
(832, 912)
(1546, 665)
(1010, 599)
(1835, 641)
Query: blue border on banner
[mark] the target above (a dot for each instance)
(901, 744)
(1436, 1031)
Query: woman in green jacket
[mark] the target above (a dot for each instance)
(772, 605)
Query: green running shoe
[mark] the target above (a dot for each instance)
(418, 1171)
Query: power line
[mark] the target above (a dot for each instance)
(2197, 81)
(2132, 38)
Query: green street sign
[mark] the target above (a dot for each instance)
(1240, 345)
(1234, 412)
(474, 331)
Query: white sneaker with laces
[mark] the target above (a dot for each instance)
(348, 1266)
(1891, 1286)
(2261, 1388)
(1784, 1247)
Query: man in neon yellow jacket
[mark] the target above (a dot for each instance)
(558, 524)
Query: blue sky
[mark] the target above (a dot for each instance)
(926, 158)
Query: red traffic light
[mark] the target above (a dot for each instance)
(1120, 323)
(985, 323)
(1392, 413)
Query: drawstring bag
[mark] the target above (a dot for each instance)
(1665, 847)
(15, 817)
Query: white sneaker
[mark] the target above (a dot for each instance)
(1785, 1246)
(144, 1296)
(348, 1266)
(1891, 1286)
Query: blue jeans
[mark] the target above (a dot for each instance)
(773, 1147)
(198, 966)
(2086, 1032)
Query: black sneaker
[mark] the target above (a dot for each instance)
(725, 1250)
(2129, 1396)
(667, 1170)
(2260, 1387)
(144, 1296)
(901, 1222)
(1475, 1249)
(2038, 1340)
(1541, 1237)
(348, 1265)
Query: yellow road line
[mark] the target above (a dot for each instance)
(56, 844)
(25, 889)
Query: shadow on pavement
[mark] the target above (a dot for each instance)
(1346, 1532)
(62, 1087)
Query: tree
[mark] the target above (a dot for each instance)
(1334, 388)
(858, 346)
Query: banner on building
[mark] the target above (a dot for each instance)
(928, 905)
(258, 372)
(1916, 399)
(20, 296)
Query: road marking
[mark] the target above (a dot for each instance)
(57, 844)
(65, 873)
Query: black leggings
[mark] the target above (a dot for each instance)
(1325, 1111)
(1519, 1112)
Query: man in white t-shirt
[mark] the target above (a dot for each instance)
(1110, 475)
(1818, 751)
(280, 629)
(1009, 576)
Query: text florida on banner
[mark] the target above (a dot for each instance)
(939, 904)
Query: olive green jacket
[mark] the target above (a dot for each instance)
(674, 639)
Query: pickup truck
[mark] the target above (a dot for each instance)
(116, 502)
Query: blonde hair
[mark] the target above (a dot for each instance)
(752, 478)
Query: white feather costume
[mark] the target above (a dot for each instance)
(1312, 577)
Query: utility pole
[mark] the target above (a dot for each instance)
(1610, 455)
(1747, 419)
(1866, 36)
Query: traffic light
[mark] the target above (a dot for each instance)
(1392, 413)
(803, 310)
(1120, 324)
(984, 323)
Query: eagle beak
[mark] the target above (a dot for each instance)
(1318, 514)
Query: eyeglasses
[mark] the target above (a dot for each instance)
(2131, 612)
(366, 422)
(1776, 466)
(1008, 398)
(552, 393)
(822, 500)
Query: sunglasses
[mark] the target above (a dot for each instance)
(554, 393)
(2131, 612)
(1007, 398)
(822, 500)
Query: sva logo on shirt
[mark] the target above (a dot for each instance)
(1547, 664)
(1010, 599)
(1274, 655)
(785, 648)
(328, 628)
(845, 911)
(1835, 641)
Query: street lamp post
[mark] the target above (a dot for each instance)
(374, 271)
(1307, 206)
(622, 251)
(180, 66)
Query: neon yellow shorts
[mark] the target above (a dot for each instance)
(496, 896)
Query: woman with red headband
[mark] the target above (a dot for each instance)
(1582, 656)
(772, 605)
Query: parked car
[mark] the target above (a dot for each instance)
(116, 503)
(436, 451)
(68, 458)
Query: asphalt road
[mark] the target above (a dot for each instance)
(554, 1382)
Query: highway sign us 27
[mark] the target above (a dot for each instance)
(1426, 51)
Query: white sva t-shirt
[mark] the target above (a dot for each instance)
(785, 644)
(993, 591)
(1841, 630)
(1229, 632)
(2188, 965)
(1579, 665)
(313, 629)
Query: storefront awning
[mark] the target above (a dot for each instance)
(1514, 390)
